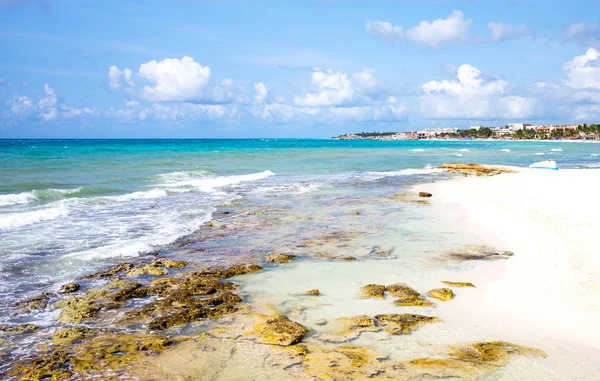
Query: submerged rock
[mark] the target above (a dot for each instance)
(372, 291)
(443, 294)
(407, 296)
(469, 362)
(38, 302)
(345, 258)
(458, 284)
(425, 194)
(109, 273)
(69, 287)
(345, 362)
(279, 330)
(346, 329)
(279, 258)
(18, 329)
(404, 324)
(65, 336)
(482, 256)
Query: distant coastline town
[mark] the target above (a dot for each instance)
(513, 131)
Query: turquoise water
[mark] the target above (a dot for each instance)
(68, 207)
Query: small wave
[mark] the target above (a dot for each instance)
(16, 199)
(556, 150)
(463, 150)
(142, 195)
(182, 175)
(539, 154)
(417, 150)
(403, 172)
(208, 184)
(505, 150)
(15, 220)
(458, 154)
(594, 154)
(592, 165)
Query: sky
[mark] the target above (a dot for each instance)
(293, 68)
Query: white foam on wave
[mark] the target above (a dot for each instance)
(463, 150)
(556, 150)
(16, 199)
(505, 150)
(458, 154)
(209, 184)
(15, 220)
(417, 150)
(539, 154)
(594, 154)
(142, 195)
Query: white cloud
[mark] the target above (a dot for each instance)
(473, 97)
(174, 79)
(438, 32)
(503, 32)
(339, 89)
(583, 72)
(47, 109)
(262, 91)
(580, 30)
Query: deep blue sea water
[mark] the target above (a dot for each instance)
(70, 206)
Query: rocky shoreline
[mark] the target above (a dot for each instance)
(183, 318)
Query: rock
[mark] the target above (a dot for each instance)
(170, 263)
(280, 330)
(345, 258)
(443, 294)
(407, 296)
(458, 284)
(345, 362)
(470, 362)
(111, 272)
(475, 169)
(372, 291)
(18, 329)
(214, 224)
(69, 287)
(379, 252)
(313, 292)
(150, 269)
(279, 258)
(425, 194)
(38, 302)
(483, 256)
(346, 329)
(65, 336)
(356, 212)
(403, 324)
(321, 322)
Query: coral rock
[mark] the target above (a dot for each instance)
(313, 292)
(425, 194)
(372, 291)
(407, 296)
(280, 330)
(443, 294)
(458, 284)
(279, 258)
(403, 324)
(69, 287)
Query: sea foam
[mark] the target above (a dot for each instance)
(16, 199)
(15, 220)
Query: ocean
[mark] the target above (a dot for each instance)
(68, 207)
(73, 207)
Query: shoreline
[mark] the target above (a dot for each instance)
(551, 285)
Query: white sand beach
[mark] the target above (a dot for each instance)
(550, 220)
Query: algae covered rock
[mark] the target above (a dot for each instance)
(345, 362)
(109, 273)
(279, 258)
(149, 269)
(170, 263)
(349, 328)
(443, 294)
(313, 292)
(69, 287)
(458, 284)
(280, 330)
(65, 336)
(475, 169)
(407, 296)
(38, 302)
(18, 329)
(403, 324)
(372, 291)
(345, 258)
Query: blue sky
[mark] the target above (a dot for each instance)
(304, 68)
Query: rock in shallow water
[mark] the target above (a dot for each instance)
(279, 330)
(279, 258)
(404, 324)
(425, 194)
(407, 296)
(313, 292)
(458, 284)
(443, 294)
(69, 287)
(372, 291)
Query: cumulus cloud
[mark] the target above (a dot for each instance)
(118, 77)
(262, 91)
(48, 108)
(334, 88)
(503, 32)
(472, 97)
(174, 79)
(438, 32)
(583, 72)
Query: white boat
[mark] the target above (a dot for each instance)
(545, 164)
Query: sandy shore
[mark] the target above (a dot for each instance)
(550, 220)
